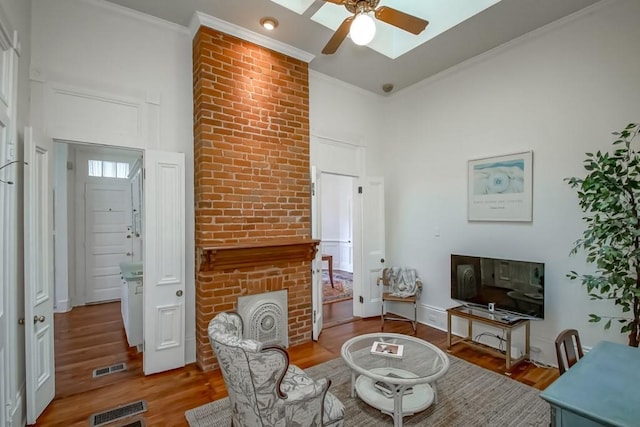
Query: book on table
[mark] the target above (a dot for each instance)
(388, 390)
(387, 349)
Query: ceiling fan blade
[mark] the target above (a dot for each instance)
(335, 1)
(402, 20)
(338, 37)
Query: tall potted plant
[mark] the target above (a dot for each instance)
(610, 198)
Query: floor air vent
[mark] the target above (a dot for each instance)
(118, 413)
(118, 367)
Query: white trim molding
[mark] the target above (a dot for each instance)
(106, 118)
(201, 19)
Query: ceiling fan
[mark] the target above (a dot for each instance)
(360, 10)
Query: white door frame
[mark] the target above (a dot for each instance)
(151, 364)
(82, 152)
(316, 264)
(344, 158)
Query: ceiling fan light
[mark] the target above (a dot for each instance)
(362, 29)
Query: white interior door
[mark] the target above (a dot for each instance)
(9, 284)
(316, 264)
(164, 261)
(373, 243)
(5, 244)
(107, 240)
(38, 272)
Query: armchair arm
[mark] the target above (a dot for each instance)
(307, 392)
(304, 404)
(277, 359)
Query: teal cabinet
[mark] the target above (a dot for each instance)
(599, 390)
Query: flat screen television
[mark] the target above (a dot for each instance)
(507, 285)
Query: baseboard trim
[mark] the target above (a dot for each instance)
(432, 316)
(18, 415)
(190, 350)
(62, 306)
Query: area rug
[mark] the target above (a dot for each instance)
(467, 396)
(342, 286)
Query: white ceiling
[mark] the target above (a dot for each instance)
(392, 41)
(362, 66)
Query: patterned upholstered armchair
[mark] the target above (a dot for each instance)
(264, 389)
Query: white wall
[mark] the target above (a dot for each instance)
(559, 91)
(94, 47)
(336, 207)
(336, 198)
(343, 113)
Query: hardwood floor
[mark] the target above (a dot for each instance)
(93, 337)
(337, 313)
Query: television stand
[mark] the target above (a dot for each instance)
(492, 319)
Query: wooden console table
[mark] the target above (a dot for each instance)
(492, 319)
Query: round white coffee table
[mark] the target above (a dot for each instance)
(398, 385)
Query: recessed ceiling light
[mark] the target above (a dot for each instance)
(269, 23)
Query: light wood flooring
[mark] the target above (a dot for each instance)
(93, 337)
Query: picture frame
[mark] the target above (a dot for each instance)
(500, 188)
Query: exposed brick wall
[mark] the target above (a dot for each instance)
(251, 136)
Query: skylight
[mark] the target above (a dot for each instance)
(391, 41)
(298, 6)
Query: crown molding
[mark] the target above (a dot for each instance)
(202, 19)
(138, 15)
(507, 46)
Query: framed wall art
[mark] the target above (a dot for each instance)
(500, 188)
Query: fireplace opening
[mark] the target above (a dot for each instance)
(265, 317)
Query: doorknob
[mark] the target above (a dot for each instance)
(129, 254)
(382, 260)
(37, 319)
(179, 293)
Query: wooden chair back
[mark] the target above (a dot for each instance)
(568, 349)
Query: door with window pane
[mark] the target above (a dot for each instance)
(108, 169)
(108, 241)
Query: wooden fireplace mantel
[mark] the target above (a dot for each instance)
(249, 254)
